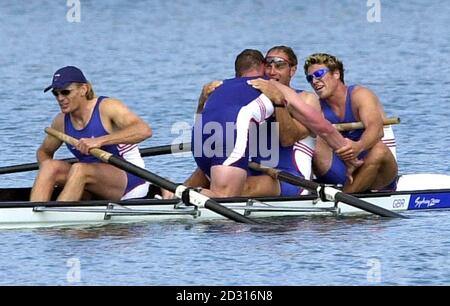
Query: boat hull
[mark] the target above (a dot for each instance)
(18, 213)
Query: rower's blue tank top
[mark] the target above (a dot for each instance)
(94, 128)
(226, 101)
(354, 135)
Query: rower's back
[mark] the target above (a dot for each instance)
(225, 102)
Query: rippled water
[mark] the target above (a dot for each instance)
(155, 56)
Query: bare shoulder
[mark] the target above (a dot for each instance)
(361, 94)
(112, 102)
(310, 98)
(58, 122)
(113, 106)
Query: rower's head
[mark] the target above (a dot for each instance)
(249, 63)
(281, 64)
(324, 72)
(70, 81)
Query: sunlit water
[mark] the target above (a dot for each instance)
(155, 56)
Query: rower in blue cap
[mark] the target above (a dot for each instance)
(98, 122)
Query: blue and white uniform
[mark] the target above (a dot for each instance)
(136, 187)
(337, 172)
(220, 135)
(295, 159)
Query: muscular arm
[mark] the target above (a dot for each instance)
(367, 107)
(310, 117)
(124, 126)
(50, 144)
(291, 130)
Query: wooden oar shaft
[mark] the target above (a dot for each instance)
(330, 193)
(342, 127)
(195, 198)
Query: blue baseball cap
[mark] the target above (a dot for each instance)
(64, 76)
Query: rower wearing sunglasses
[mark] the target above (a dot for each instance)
(98, 122)
(341, 103)
(296, 143)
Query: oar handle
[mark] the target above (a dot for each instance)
(342, 127)
(99, 153)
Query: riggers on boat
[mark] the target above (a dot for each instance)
(414, 192)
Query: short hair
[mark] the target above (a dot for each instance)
(247, 60)
(331, 61)
(289, 52)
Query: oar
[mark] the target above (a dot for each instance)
(326, 192)
(181, 147)
(145, 152)
(166, 149)
(342, 127)
(26, 167)
(195, 198)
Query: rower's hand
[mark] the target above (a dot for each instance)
(210, 87)
(352, 165)
(349, 151)
(268, 88)
(166, 194)
(85, 144)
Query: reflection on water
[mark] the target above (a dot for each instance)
(109, 231)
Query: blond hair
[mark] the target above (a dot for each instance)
(331, 61)
(90, 94)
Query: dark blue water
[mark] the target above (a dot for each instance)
(155, 56)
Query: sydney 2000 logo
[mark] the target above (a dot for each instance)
(429, 201)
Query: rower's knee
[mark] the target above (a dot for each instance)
(80, 171)
(378, 154)
(51, 168)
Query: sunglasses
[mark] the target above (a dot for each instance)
(277, 62)
(64, 92)
(318, 74)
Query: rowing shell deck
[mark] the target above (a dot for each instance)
(415, 192)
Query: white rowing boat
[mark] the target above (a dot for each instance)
(415, 192)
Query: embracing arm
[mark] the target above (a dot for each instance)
(310, 117)
(206, 91)
(291, 130)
